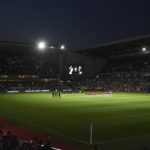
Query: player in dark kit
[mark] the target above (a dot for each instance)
(52, 94)
(59, 94)
(56, 94)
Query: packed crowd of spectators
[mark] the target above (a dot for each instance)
(119, 75)
(12, 142)
(123, 75)
(36, 84)
(131, 65)
(118, 84)
(26, 65)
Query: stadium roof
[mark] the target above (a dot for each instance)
(15, 47)
(20, 48)
(122, 47)
(116, 48)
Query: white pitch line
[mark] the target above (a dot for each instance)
(73, 138)
(122, 139)
(47, 130)
(130, 115)
(127, 138)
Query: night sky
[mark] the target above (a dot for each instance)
(75, 23)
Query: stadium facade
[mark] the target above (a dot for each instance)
(23, 64)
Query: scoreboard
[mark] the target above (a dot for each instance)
(75, 70)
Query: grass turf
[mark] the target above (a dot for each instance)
(120, 122)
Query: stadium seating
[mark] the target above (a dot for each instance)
(125, 75)
(22, 73)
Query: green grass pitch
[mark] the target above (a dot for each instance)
(120, 122)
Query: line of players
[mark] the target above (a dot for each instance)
(56, 94)
(98, 93)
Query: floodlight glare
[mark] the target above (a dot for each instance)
(144, 49)
(62, 47)
(41, 45)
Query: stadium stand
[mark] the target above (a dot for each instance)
(32, 73)
(26, 65)
(125, 75)
(29, 73)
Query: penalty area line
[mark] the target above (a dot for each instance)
(45, 129)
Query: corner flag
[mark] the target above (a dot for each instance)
(91, 126)
(91, 132)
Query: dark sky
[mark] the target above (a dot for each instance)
(76, 23)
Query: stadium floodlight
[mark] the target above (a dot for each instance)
(41, 45)
(144, 49)
(52, 47)
(62, 47)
